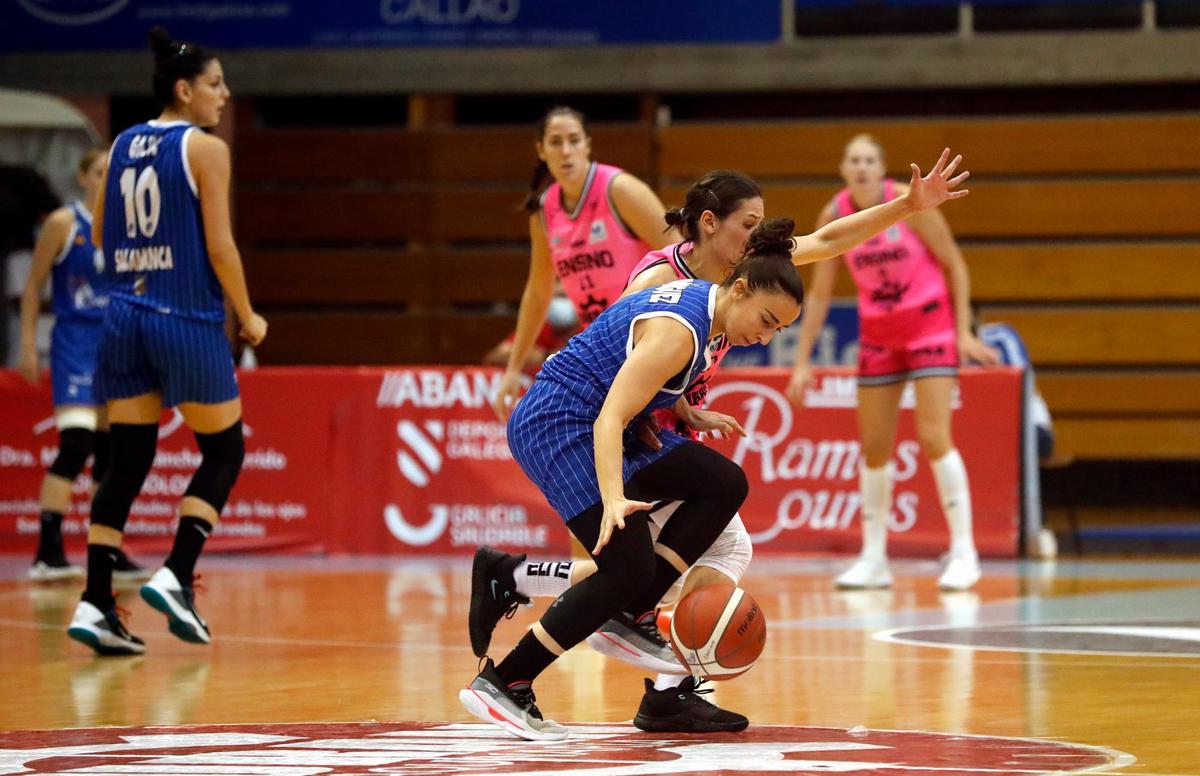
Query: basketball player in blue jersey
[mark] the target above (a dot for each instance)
(163, 221)
(571, 435)
(64, 252)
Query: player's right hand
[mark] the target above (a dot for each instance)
(254, 329)
(28, 366)
(801, 381)
(507, 394)
(615, 512)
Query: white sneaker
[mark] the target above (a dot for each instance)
(866, 573)
(103, 631)
(510, 708)
(41, 571)
(638, 643)
(962, 572)
(165, 594)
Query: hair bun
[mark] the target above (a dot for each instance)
(773, 236)
(160, 41)
(675, 217)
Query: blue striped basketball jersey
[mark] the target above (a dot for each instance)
(76, 279)
(550, 431)
(153, 231)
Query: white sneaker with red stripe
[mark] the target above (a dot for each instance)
(509, 707)
(637, 642)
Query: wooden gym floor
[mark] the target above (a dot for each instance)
(1097, 653)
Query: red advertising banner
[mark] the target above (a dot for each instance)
(412, 461)
(803, 462)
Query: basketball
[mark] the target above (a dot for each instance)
(718, 631)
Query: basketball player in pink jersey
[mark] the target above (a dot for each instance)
(914, 324)
(588, 228)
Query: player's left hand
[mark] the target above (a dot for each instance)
(936, 187)
(717, 423)
(971, 350)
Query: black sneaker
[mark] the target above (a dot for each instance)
(682, 710)
(493, 594)
(126, 570)
(511, 707)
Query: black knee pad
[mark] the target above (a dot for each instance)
(222, 462)
(74, 447)
(131, 454)
(100, 456)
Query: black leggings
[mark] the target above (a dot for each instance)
(630, 576)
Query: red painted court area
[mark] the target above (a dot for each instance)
(598, 750)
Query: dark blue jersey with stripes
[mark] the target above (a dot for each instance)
(154, 246)
(76, 277)
(550, 431)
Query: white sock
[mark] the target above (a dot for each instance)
(668, 681)
(548, 579)
(951, 477)
(876, 488)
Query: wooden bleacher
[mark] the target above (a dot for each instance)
(385, 246)
(391, 246)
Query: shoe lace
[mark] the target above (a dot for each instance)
(121, 617)
(525, 698)
(647, 624)
(696, 686)
(197, 585)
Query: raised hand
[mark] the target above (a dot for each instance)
(938, 186)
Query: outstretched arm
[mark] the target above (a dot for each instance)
(924, 193)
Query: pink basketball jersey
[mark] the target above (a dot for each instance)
(592, 249)
(894, 271)
(674, 256)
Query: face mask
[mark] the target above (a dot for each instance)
(561, 314)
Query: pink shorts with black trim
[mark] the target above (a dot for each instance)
(908, 345)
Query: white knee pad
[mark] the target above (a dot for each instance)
(730, 554)
(75, 416)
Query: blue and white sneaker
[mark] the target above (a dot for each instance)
(165, 594)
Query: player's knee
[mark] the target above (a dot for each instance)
(735, 485)
(74, 447)
(221, 462)
(731, 553)
(934, 439)
(131, 456)
(101, 449)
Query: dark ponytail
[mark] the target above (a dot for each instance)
(174, 60)
(721, 191)
(533, 200)
(541, 172)
(767, 262)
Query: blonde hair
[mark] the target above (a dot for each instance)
(89, 158)
(866, 137)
